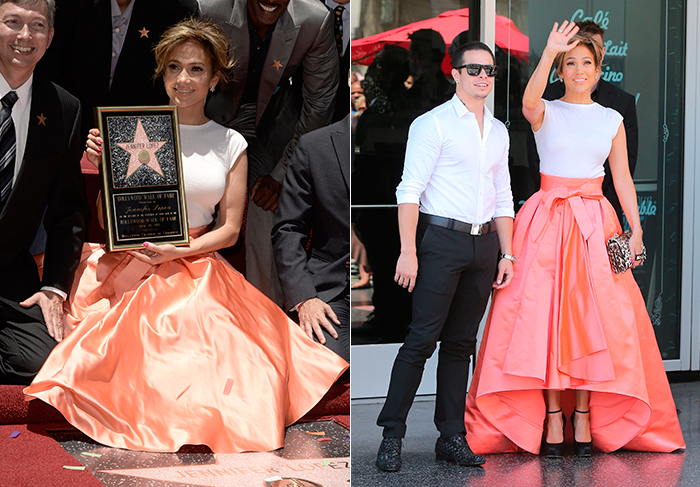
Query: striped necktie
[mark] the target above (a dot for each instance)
(338, 28)
(8, 147)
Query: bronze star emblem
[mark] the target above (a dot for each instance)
(144, 32)
(42, 119)
(277, 65)
(143, 151)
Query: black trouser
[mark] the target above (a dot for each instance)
(341, 307)
(455, 274)
(24, 342)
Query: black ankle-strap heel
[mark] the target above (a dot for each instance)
(555, 450)
(581, 449)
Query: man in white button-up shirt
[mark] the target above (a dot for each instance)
(455, 212)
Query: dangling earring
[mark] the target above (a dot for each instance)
(561, 80)
(212, 88)
(596, 77)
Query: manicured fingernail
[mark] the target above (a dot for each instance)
(99, 140)
(145, 244)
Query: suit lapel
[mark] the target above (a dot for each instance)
(340, 139)
(37, 144)
(136, 36)
(237, 30)
(101, 43)
(281, 46)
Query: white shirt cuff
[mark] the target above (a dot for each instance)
(504, 212)
(404, 197)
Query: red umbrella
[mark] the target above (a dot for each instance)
(448, 24)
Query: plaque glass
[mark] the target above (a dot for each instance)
(143, 188)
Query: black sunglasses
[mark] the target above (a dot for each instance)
(475, 69)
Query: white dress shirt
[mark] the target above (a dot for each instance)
(120, 25)
(20, 117)
(451, 170)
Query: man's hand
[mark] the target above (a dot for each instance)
(407, 270)
(314, 314)
(51, 305)
(266, 193)
(505, 274)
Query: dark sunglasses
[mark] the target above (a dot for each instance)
(475, 69)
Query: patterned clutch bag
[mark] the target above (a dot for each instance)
(620, 253)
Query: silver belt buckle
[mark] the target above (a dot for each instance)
(476, 229)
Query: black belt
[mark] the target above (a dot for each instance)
(452, 224)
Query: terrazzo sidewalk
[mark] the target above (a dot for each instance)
(622, 469)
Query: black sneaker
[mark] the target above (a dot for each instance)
(389, 455)
(456, 449)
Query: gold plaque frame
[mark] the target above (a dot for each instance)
(143, 190)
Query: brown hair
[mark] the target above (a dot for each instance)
(203, 33)
(587, 41)
(591, 28)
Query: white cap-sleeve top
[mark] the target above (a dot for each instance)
(209, 152)
(575, 139)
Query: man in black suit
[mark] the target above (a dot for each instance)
(315, 202)
(609, 96)
(285, 79)
(104, 56)
(44, 153)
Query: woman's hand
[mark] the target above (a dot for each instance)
(94, 147)
(636, 248)
(156, 254)
(559, 38)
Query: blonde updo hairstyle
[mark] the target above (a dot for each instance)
(205, 34)
(587, 41)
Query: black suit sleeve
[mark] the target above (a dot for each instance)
(66, 206)
(632, 131)
(292, 228)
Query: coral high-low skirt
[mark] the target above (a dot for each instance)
(185, 352)
(567, 321)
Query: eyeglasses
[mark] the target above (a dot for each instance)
(475, 69)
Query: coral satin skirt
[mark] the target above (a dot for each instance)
(567, 322)
(185, 352)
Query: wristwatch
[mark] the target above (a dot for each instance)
(509, 257)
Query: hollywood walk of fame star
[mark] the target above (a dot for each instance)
(42, 119)
(277, 65)
(144, 32)
(143, 151)
(243, 469)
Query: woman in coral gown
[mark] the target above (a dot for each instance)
(169, 345)
(569, 334)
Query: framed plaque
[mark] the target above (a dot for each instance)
(143, 188)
